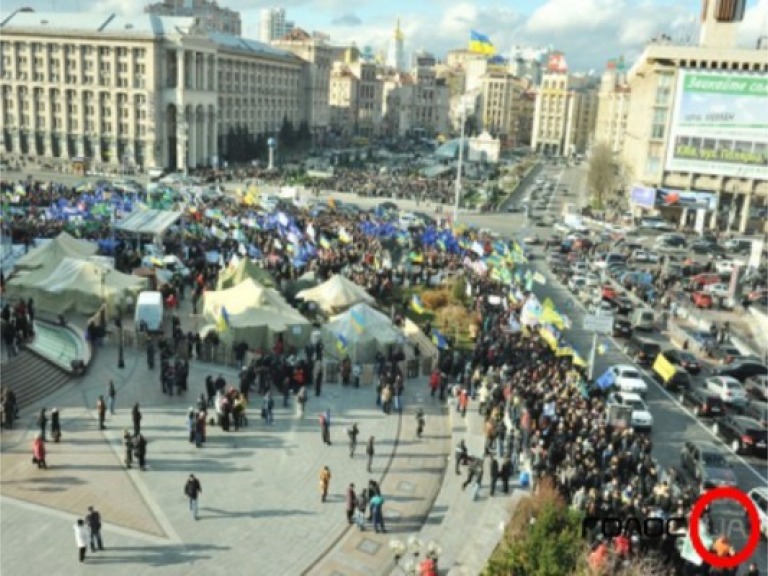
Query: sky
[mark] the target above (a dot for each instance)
(589, 32)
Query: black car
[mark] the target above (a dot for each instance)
(744, 435)
(758, 411)
(621, 304)
(702, 402)
(757, 387)
(742, 369)
(622, 327)
(684, 360)
(641, 350)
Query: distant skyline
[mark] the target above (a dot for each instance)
(589, 32)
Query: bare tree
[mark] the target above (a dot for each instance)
(601, 176)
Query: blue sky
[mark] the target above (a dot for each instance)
(588, 31)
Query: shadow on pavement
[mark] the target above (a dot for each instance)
(155, 555)
(208, 513)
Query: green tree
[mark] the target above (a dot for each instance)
(304, 136)
(602, 178)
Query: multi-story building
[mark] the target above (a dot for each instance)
(273, 25)
(356, 99)
(697, 128)
(317, 54)
(613, 100)
(527, 62)
(565, 111)
(145, 91)
(505, 109)
(396, 59)
(212, 17)
(342, 100)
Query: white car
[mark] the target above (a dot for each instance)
(580, 268)
(641, 416)
(719, 290)
(759, 497)
(727, 266)
(592, 279)
(729, 389)
(576, 283)
(628, 379)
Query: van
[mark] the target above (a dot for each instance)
(149, 312)
(643, 319)
(671, 376)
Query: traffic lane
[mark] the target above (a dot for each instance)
(673, 424)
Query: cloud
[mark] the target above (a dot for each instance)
(348, 19)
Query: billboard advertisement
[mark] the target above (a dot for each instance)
(691, 199)
(719, 124)
(643, 196)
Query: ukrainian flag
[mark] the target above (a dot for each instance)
(357, 320)
(480, 44)
(341, 344)
(416, 257)
(416, 305)
(223, 324)
(344, 236)
(324, 243)
(438, 339)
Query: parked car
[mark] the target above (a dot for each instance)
(707, 465)
(702, 300)
(727, 266)
(729, 389)
(683, 359)
(759, 497)
(758, 411)
(701, 280)
(743, 434)
(757, 387)
(702, 402)
(742, 369)
(628, 379)
(622, 328)
(726, 353)
(641, 350)
(623, 305)
(641, 418)
(719, 290)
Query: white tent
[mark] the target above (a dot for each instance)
(76, 286)
(336, 295)
(251, 312)
(153, 222)
(53, 252)
(359, 333)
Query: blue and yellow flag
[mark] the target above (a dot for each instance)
(222, 324)
(438, 339)
(341, 344)
(357, 320)
(416, 305)
(480, 44)
(324, 243)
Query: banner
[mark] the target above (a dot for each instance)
(719, 125)
(643, 196)
(691, 199)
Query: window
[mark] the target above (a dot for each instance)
(663, 89)
(652, 166)
(658, 125)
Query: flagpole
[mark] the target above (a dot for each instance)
(458, 167)
(592, 356)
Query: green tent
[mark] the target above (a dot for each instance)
(245, 269)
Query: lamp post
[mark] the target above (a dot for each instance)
(413, 566)
(463, 106)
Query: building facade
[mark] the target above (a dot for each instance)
(613, 101)
(213, 17)
(716, 152)
(273, 25)
(396, 59)
(138, 92)
(505, 109)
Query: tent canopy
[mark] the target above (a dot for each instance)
(77, 286)
(154, 222)
(336, 294)
(63, 246)
(255, 314)
(244, 270)
(364, 330)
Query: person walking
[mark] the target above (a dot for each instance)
(301, 400)
(325, 429)
(353, 432)
(192, 490)
(38, 452)
(191, 424)
(151, 350)
(377, 513)
(101, 410)
(136, 417)
(325, 480)
(495, 473)
(351, 503)
(128, 446)
(419, 423)
(461, 455)
(55, 425)
(111, 394)
(141, 451)
(42, 422)
(81, 538)
(93, 520)
(370, 451)
(505, 474)
(362, 507)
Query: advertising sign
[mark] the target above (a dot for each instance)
(719, 125)
(691, 199)
(643, 196)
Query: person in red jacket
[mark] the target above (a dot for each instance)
(434, 381)
(38, 451)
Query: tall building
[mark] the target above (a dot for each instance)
(145, 91)
(396, 51)
(697, 127)
(613, 101)
(273, 25)
(529, 63)
(506, 112)
(565, 111)
(212, 17)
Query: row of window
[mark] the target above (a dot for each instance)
(85, 49)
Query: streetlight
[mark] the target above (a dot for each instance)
(412, 566)
(463, 106)
(184, 132)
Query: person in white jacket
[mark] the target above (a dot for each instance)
(81, 538)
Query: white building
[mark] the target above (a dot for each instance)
(273, 25)
(396, 59)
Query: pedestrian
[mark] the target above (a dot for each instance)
(351, 503)
(128, 446)
(141, 451)
(352, 432)
(471, 472)
(192, 490)
(269, 408)
(301, 400)
(479, 465)
(461, 455)
(93, 520)
(377, 513)
(55, 425)
(42, 422)
(210, 390)
(319, 381)
(505, 474)
(191, 424)
(111, 393)
(101, 410)
(136, 416)
(495, 473)
(151, 350)
(38, 452)
(463, 402)
(419, 423)
(325, 429)
(362, 507)
(370, 451)
(325, 480)
(81, 538)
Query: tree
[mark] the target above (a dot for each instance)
(601, 176)
(304, 136)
